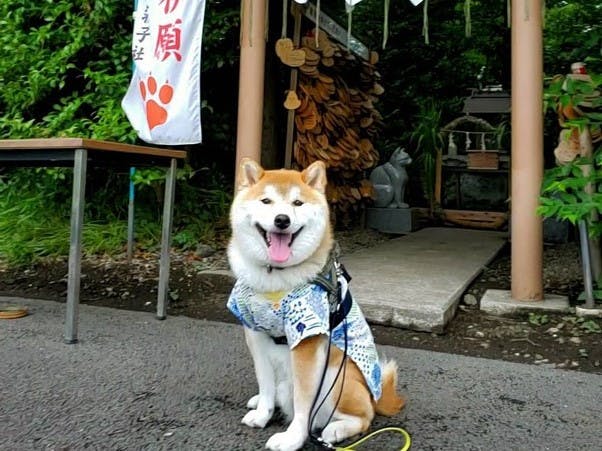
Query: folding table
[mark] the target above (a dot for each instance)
(80, 153)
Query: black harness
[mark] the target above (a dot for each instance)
(328, 279)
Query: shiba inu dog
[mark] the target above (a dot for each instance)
(281, 242)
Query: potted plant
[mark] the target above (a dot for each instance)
(428, 140)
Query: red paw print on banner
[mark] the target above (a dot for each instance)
(155, 113)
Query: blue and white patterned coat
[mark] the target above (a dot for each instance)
(303, 313)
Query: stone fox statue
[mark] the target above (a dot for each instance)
(390, 180)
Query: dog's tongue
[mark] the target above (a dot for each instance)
(279, 249)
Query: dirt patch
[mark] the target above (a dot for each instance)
(558, 340)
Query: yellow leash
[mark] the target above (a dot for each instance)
(406, 436)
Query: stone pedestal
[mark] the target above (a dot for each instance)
(500, 302)
(391, 220)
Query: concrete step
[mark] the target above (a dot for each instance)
(416, 281)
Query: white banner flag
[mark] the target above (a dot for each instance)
(163, 101)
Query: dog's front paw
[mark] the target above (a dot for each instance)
(253, 402)
(257, 418)
(285, 441)
(335, 432)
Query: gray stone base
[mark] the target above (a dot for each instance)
(500, 302)
(589, 312)
(391, 220)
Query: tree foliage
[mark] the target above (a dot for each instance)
(415, 73)
(572, 191)
(573, 32)
(65, 69)
(66, 66)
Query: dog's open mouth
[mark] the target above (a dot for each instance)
(279, 244)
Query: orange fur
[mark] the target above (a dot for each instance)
(390, 402)
(283, 180)
(356, 399)
(304, 361)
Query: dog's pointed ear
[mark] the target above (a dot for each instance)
(315, 176)
(249, 174)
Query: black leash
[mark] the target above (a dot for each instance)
(313, 437)
(339, 307)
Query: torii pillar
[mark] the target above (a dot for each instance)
(251, 76)
(527, 150)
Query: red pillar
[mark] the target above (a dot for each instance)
(527, 150)
(251, 75)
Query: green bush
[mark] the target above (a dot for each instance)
(569, 192)
(66, 66)
(34, 219)
(35, 212)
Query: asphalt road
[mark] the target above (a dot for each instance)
(137, 383)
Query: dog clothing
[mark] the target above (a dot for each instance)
(304, 312)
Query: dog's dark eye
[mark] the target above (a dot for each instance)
(265, 200)
(297, 203)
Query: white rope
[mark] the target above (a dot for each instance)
(425, 22)
(284, 18)
(386, 24)
(349, 5)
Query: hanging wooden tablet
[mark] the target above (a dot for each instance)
(292, 102)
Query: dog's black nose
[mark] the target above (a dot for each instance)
(282, 221)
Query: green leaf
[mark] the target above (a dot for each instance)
(538, 319)
(594, 115)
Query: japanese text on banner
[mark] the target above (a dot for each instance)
(163, 100)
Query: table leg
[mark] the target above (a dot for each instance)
(75, 245)
(132, 191)
(168, 201)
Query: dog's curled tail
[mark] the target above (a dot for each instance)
(390, 402)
